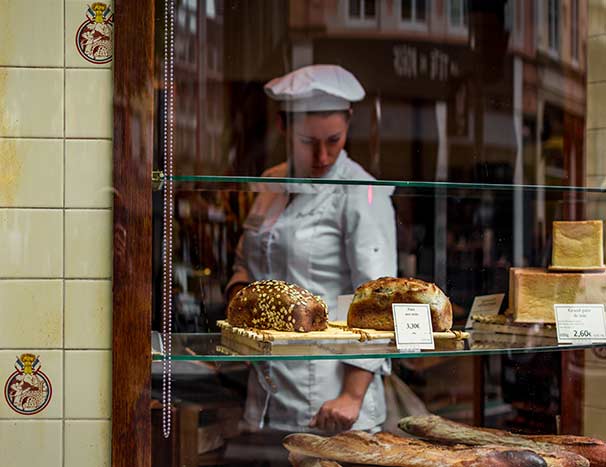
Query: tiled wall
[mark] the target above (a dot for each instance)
(55, 233)
(595, 367)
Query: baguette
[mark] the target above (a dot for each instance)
(438, 429)
(385, 449)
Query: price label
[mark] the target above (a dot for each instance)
(580, 323)
(412, 323)
(484, 305)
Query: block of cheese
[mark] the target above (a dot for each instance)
(534, 291)
(578, 244)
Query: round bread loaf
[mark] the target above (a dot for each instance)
(371, 305)
(277, 305)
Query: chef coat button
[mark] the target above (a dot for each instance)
(274, 388)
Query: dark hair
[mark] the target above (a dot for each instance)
(286, 118)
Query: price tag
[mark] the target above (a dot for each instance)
(484, 305)
(412, 324)
(580, 323)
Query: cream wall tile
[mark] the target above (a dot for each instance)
(31, 243)
(594, 422)
(31, 102)
(87, 443)
(31, 33)
(88, 174)
(88, 314)
(30, 443)
(596, 59)
(51, 364)
(31, 313)
(597, 17)
(596, 152)
(75, 15)
(88, 244)
(88, 387)
(596, 103)
(88, 103)
(32, 173)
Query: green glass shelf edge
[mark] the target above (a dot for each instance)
(390, 183)
(157, 357)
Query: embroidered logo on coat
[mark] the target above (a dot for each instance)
(94, 36)
(28, 390)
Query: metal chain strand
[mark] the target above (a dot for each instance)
(168, 114)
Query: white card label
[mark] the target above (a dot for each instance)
(485, 305)
(580, 323)
(412, 324)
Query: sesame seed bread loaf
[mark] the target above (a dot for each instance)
(371, 305)
(277, 305)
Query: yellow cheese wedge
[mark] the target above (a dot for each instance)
(578, 244)
(534, 291)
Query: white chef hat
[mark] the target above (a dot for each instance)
(315, 88)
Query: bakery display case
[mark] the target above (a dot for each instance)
(442, 249)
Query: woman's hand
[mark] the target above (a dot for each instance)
(338, 414)
(341, 413)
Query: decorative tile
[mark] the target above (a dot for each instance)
(32, 173)
(88, 174)
(88, 103)
(47, 401)
(31, 243)
(31, 34)
(88, 244)
(88, 388)
(88, 34)
(87, 443)
(31, 313)
(88, 314)
(596, 59)
(29, 443)
(31, 102)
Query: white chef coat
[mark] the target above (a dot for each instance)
(328, 239)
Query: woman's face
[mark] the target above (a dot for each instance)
(316, 141)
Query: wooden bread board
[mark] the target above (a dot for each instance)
(504, 324)
(247, 340)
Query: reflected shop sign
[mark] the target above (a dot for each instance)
(408, 69)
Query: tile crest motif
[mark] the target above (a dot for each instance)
(28, 390)
(94, 36)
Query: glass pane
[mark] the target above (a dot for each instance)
(370, 11)
(450, 168)
(407, 10)
(355, 9)
(421, 10)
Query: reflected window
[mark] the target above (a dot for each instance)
(457, 14)
(414, 12)
(574, 30)
(362, 11)
(553, 24)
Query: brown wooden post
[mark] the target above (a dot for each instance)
(133, 150)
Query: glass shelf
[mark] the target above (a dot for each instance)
(179, 179)
(208, 347)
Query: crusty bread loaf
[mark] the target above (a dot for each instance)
(277, 305)
(438, 429)
(371, 305)
(385, 449)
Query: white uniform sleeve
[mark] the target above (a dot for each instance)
(370, 245)
(240, 272)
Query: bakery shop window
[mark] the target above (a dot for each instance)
(316, 159)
